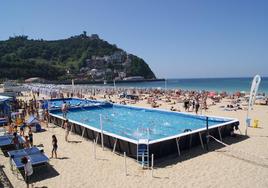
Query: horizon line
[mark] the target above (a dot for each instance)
(214, 77)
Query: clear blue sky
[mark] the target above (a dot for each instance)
(178, 39)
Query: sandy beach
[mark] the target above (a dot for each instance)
(134, 94)
(244, 163)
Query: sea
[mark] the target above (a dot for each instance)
(229, 85)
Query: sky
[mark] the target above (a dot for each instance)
(177, 38)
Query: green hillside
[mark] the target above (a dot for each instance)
(80, 57)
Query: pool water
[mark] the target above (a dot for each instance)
(138, 123)
(57, 103)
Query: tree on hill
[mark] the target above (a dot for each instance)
(21, 58)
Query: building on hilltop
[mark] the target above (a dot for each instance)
(95, 36)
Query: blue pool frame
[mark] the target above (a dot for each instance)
(160, 147)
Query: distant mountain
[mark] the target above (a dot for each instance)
(80, 57)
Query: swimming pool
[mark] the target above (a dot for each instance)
(131, 124)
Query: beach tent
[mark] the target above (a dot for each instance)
(32, 120)
(34, 123)
(5, 109)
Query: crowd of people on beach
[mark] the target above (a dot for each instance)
(21, 132)
(193, 101)
(34, 106)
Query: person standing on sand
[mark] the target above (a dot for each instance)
(46, 117)
(67, 129)
(193, 105)
(30, 135)
(28, 169)
(15, 140)
(186, 104)
(197, 105)
(22, 127)
(54, 146)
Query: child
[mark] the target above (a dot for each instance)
(54, 146)
(15, 140)
(22, 129)
(10, 128)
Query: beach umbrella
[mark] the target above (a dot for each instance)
(238, 94)
(223, 94)
(212, 94)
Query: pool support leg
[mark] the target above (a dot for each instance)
(190, 142)
(94, 148)
(83, 132)
(207, 136)
(72, 127)
(201, 140)
(178, 145)
(219, 130)
(97, 137)
(102, 144)
(125, 160)
(115, 142)
(152, 165)
(142, 160)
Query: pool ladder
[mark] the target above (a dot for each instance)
(143, 156)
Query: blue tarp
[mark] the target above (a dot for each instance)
(5, 105)
(32, 120)
(4, 98)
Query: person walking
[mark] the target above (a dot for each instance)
(46, 117)
(67, 129)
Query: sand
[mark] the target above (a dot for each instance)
(242, 164)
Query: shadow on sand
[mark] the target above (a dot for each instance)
(40, 131)
(63, 158)
(42, 173)
(4, 181)
(197, 151)
(74, 141)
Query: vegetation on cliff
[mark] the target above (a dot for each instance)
(79, 57)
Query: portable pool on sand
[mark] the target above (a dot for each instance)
(141, 132)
